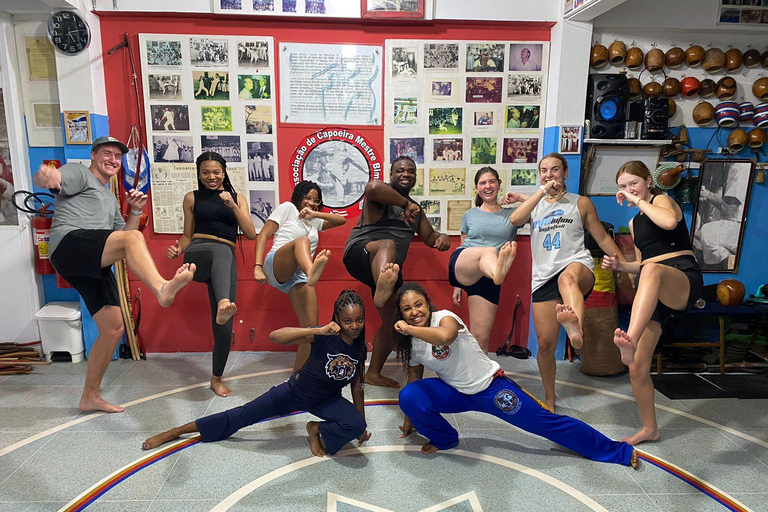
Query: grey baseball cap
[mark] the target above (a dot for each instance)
(108, 140)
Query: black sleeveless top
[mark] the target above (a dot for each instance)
(213, 217)
(391, 226)
(653, 240)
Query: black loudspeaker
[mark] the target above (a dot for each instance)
(607, 97)
(655, 118)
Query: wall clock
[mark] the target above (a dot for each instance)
(68, 32)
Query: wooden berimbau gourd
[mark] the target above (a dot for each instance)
(730, 292)
(667, 175)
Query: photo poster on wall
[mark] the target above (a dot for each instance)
(457, 106)
(319, 8)
(208, 93)
(328, 84)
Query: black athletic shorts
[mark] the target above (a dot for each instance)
(688, 266)
(484, 287)
(357, 261)
(550, 291)
(78, 259)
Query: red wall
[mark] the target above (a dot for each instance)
(186, 325)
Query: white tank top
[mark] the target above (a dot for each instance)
(557, 238)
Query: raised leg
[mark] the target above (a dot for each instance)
(131, 246)
(575, 281)
(293, 255)
(382, 257)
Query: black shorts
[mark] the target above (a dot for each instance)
(357, 261)
(550, 291)
(78, 259)
(484, 287)
(688, 266)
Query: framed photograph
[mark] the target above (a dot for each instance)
(447, 150)
(483, 151)
(393, 9)
(404, 63)
(412, 147)
(261, 161)
(524, 88)
(77, 127)
(483, 119)
(441, 89)
(520, 151)
(721, 213)
(485, 57)
(522, 117)
(172, 148)
(525, 57)
(170, 118)
(484, 90)
(208, 52)
(441, 56)
(445, 121)
(570, 140)
(406, 111)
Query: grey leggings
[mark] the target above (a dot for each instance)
(216, 268)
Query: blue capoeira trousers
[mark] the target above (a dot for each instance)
(343, 422)
(425, 400)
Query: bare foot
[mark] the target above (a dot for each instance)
(226, 311)
(550, 405)
(219, 388)
(622, 340)
(634, 461)
(428, 448)
(315, 443)
(644, 434)
(570, 322)
(506, 257)
(182, 278)
(321, 260)
(386, 284)
(160, 439)
(377, 379)
(97, 404)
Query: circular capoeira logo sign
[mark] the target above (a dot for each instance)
(341, 162)
(507, 401)
(441, 351)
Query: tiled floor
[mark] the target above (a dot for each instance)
(496, 465)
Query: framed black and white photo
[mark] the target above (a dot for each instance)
(721, 213)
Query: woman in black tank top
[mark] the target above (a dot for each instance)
(671, 282)
(213, 214)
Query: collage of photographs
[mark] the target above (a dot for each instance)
(209, 94)
(456, 106)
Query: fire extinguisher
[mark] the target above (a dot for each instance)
(41, 227)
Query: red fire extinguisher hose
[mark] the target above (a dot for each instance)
(41, 225)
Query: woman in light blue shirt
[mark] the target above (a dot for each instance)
(487, 251)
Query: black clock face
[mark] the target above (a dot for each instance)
(68, 32)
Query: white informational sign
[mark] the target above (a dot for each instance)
(330, 84)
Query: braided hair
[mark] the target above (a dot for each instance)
(401, 157)
(301, 189)
(351, 298)
(207, 156)
(404, 341)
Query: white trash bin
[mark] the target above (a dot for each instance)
(61, 330)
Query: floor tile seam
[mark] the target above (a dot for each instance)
(233, 364)
(160, 487)
(48, 440)
(131, 364)
(760, 461)
(631, 473)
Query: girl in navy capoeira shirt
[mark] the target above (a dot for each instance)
(337, 358)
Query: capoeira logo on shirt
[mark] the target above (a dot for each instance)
(340, 367)
(507, 401)
(441, 351)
